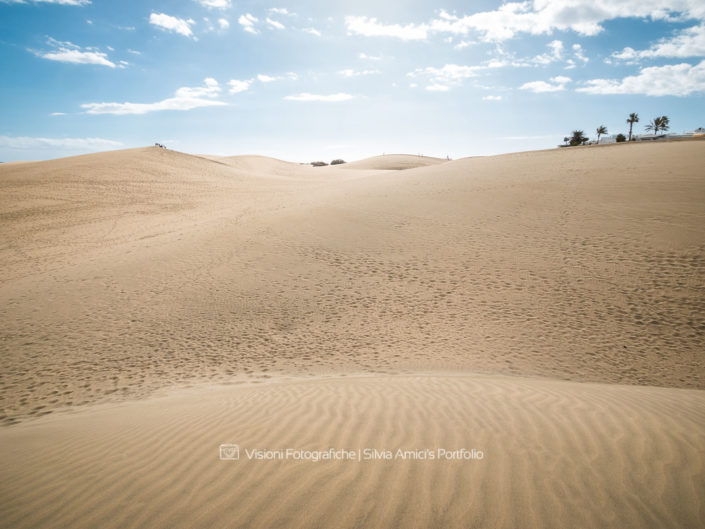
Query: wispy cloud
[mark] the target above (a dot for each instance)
(556, 53)
(71, 53)
(215, 4)
(264, 78)
(312, 31)
(172, 24)
(444, 78)
(27, 142)
(274, 24)
(554, 84)
(492, 98)
(237, 86)
(248, 21)
(689, 42)
(349, 72)
(59, 2)
(535, 18)
(366, 57)
(371, 27)
(331, 98)
(186, 98)
(669, 80)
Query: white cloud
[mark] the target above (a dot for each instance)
(555, 54)
(218, 4)
(237, 86)
(332, 98)
(274, 24)
(69, 52)
(247, 21)
(578, 55)
(58, 114)
(26, 142)
(449, 71)
(280, 11)
(537, 17)
(185, 98)
(349, 72)
(437, 87)
(464, 44)
(690, 42)
(264, 78)
(450, 75)
(312, 31)
(492, 98)
(555, 84)
(578, 52)
(364, 56)
(223, 23)
(370, 27)
(173, 24)
(60, 2)
(672, 79)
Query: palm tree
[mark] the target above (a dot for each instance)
(600, 131)
(665, 122)
(658, 123)
(578, 138)
(633, 118)
(566, 139)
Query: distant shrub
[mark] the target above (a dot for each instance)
(337, 161)
(319, 164)
(620, 138)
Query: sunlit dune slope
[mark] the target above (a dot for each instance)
(130, 271)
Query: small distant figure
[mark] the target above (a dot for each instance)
(160, 145)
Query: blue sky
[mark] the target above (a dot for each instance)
(320, 80)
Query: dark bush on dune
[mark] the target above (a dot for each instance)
(319, 164)
(337, 161)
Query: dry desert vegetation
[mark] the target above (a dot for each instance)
(546, 308)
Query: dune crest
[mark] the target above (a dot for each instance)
(393, 162)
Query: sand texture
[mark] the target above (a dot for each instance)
(556, 455)
(545, 307)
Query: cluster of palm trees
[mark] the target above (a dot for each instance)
(656, 125)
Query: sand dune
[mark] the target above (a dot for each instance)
(133, 270)
(556, 455)
(527, 305)
(393, 162)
